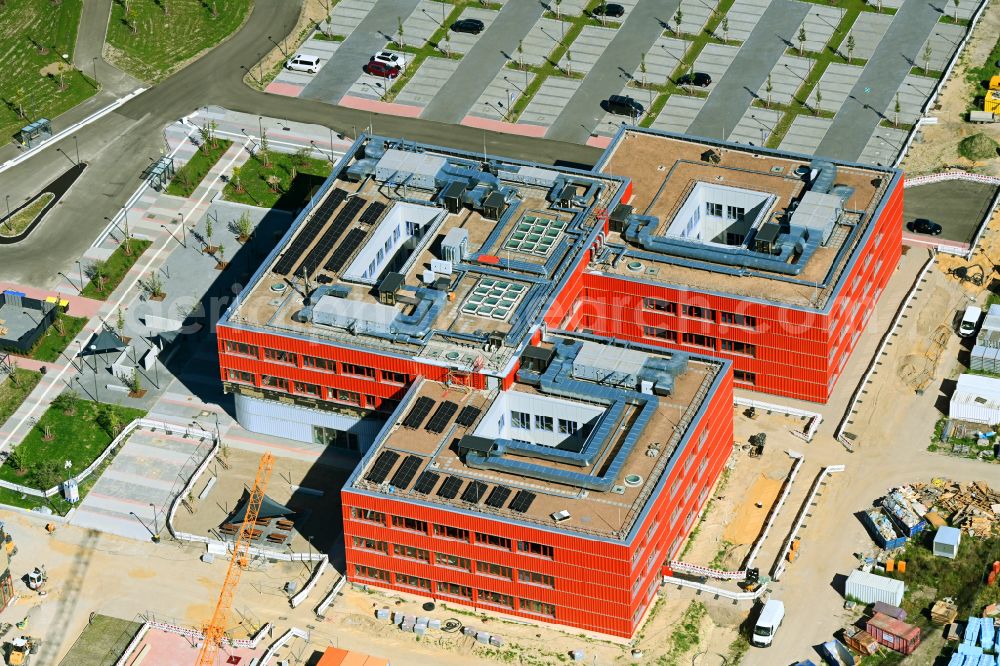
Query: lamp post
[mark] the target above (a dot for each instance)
(7, 197)
(152, 534)
(156, 529)
(76, 143)
(260, 127)
(80, 266)
(250, 72)
(280, 47)
(95, 71)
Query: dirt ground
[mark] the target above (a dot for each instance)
(749, 518)
(938, 148)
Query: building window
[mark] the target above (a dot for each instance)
(697, 312)
(455, 590)
(744, 348)
(317, 363)
(368, 515)
(567, 427)
(530, 606)
(241, 348)
(371, 572)
(306, 389)
(699, 340)
(410, 552)
(543, 422)
(533, 548)
(452, 561)
(735, 212)
(733, 319)
(494, 541)
(674, 487)
(371, 544)
(490, 569)
(412, 524)
(536, 578)
(659, 333)
(413, 581)
(338, 439)
(239, 376)
(274, 382)
(520, 420)
(280, 356)
(487, 597)
(451, 532)
(357, 370)
(701, 467)
(745, 377)
(714, 209)
(349, 396)
(393, 377)
(658, 305)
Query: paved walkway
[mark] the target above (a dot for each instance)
(635, 37)
(897, 53)
(492, 51)
(90, 46)
(334, 80)
(738, 87)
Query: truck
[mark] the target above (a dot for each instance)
(770, 618)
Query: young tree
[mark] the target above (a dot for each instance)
(46, 474)
(243, 227)
(956, 10)
(265, 152)
(447, 44)
(66, 402)
(802, 39)
(895, 108)
(273, 182)
(725, 28)
(399, 31)
(120, 321)
(209, 230)
(642, 68)
(928, 52)
(301, 156)
(678, 17)
(98, 272)
(819, 100)
(520, 53)
(220, 252)
(237, 182)
(109, 420)
(558, 9)
(135, 382)
(17, 461)
(850, 47)
(569, 63)
(154, 285)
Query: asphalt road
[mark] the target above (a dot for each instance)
(959, 206)
(119, 146)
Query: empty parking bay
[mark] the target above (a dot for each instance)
(819, 24)
(346, 16)
(834, 86)
(756, 126)
(744, 16)
(788, 75)
(678, 113)
(550, 100)
(662, 59)
(805, 134)
(540, 41)
(587, 48)
(427, 81)
(868, 30)
(883, 146)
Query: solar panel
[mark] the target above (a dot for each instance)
(468, 415)
(346, 248)
(372, 213)
(401, 479)
(442, 416)
(380, 470)
(498, 496)
(421, 408)
(308, 232)
(426, 482)
(474, 492)
(522, 501)
(449, 489)
(332, 234)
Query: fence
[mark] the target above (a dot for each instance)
(316, 575)
(810, 430)
(717, 591)
(328, 599)
(294, 632)
(779, 566)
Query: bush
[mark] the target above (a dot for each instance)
(977, 147)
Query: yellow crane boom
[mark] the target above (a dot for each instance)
(216, 629)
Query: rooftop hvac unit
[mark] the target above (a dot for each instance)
(560, 516)
(618, 219)
(455, 246)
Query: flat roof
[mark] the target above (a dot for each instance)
(397, 207)
(648, 433)
(665, 168)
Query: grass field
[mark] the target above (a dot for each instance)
(291, 192)
(156, 37)
(189, 176)
(115, 269)
(14, 391)
(53, 342)
(34, 35)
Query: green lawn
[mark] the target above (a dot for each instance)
(15, 389)
(102, 641)
(291, 192)
(79, 437)
(35, 34)
(157, 37)
(189, 176)
(20, 220)
(53, 342)
(117, 265)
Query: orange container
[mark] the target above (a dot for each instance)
(792, 555)
(890, 565)
(795, 545)
(901, 566)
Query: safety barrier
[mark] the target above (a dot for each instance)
(328, 599)
(779, 566)
(280, 643)
(317, 573)
(143, 630)
(717, 591)
(696, 570)
(807, 434)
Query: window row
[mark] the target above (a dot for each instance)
(699, 312)
(315, 362)
(522, 421)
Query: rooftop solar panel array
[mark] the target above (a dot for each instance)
(468, 415)
(372, 213)
(333, 233)
(449, 489)
(351, 242)
(309, 232)
(401, 479)
(522, 501)
(421, 408)
(442, 416)
(380, 470)
(498, 496)
(426, 482)
(474, 492)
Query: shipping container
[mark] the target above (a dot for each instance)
(888, 609)
(894, 634)
(869, 588)
(882, 530)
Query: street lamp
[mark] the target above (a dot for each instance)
(250, 72)
(80, 266)
(77, 144)
(280, 47)
(152, 534)
(7, 197)
(260, 127)
(95, 71)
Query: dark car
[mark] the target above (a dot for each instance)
(609, 10)
(379, 68)
(700, 79)
(623, 105)
(471, 26)
(924, 226)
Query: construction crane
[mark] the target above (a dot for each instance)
(216, 629)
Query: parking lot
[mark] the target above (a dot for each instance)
(547, 68)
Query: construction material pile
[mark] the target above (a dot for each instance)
(944, 611)
(974, 507)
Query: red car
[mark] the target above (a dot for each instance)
(386, 71)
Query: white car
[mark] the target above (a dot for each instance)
(303, 63)
(391, 59)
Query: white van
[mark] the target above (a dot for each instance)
(768, 622)
(303, 63)
(970, 321)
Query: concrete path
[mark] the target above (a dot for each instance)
(492, 51)
(378, 27)
(90, 45)
(738, 87)
(896, 54)
(636, 36)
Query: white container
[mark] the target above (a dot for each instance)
(869, 588)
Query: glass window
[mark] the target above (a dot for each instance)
(734, 347)
(412, 524)
(488, 597)
(280, 356)
(533, 548)
(338, 439)
(239, 376)
(490, 569)
(543, 422)
(393, 377)
(520, 420)
(357, 370)
(745, 377)
(371, 572)
(659, 333)
(306, 389)
(734, 212)
(567, 427)
(274, 382)
(411, 552)
(317, 363)
(371, 544)
(713, 209)
(699, 340)
(491, 540)
(349, 396)
(536, 578)
(451, 532)
(698, 312)
(659, 305)
(739, 320)
(455, 590)
(368, 515)
(531, 606)
(241, 348)
(453, 561)
(413, 581)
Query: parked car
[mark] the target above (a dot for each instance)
(610, 10)
(470, 26)
(379, 68)
(970, 321)
(391, 59)
(924, 226)
(624, 105)
(303, 63)
(770, 618)
(699, 79)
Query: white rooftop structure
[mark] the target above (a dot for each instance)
(976, 399)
